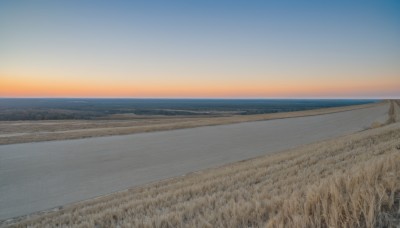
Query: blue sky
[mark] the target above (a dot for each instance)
(170, 48)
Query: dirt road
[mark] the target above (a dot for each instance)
(43, 175)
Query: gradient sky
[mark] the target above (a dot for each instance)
(200, 49)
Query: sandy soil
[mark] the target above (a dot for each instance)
(43, 175)
(349, 181)
(12, 132)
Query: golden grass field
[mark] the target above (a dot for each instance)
(34, 131)
(350, 181)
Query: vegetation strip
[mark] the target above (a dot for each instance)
(12, 132)
(352, 181)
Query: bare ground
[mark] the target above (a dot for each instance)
(12, 132)
(43, 175)
(350, 181)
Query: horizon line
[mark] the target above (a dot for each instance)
(214, 98)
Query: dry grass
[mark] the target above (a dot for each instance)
(352, 181)
(34, 131)
(394, 111)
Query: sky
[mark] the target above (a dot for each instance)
(200, 49)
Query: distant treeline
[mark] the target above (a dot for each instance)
(34, 114)
(58, 109)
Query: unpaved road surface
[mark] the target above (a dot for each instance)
(14, 132)
(43, 175)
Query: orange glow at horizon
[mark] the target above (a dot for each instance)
(34, 87)
(200, 50)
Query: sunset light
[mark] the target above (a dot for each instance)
(200, 113)
(200, 50)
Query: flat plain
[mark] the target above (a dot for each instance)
(347, 181)
(44, 175)
(12, 132)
